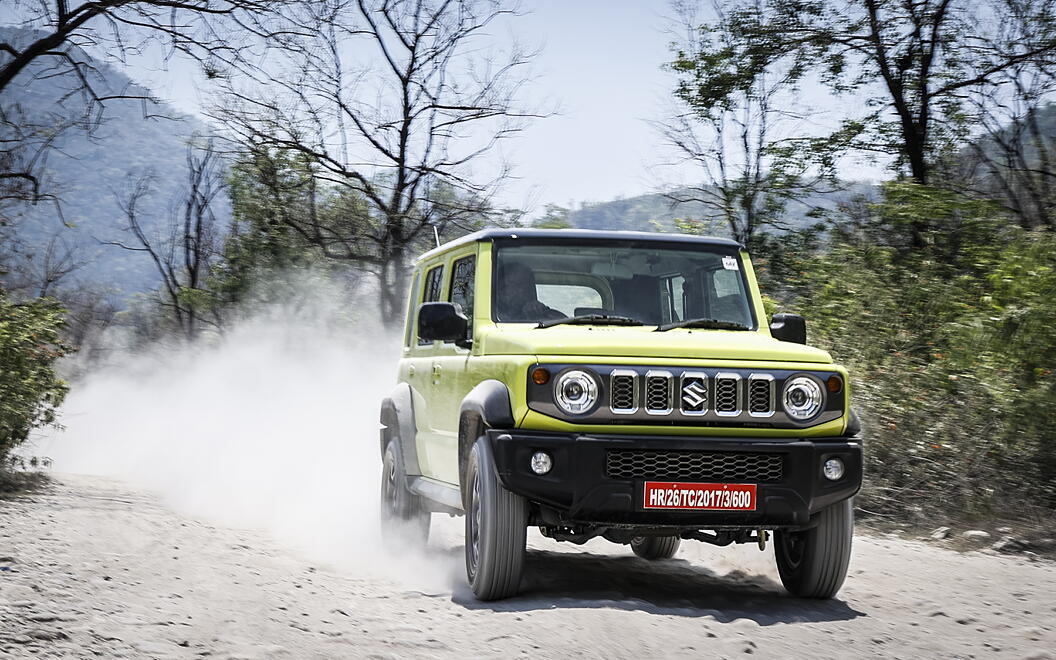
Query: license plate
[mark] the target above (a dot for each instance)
(708, 497)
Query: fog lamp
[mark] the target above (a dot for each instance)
(541, 462)
(832, 469)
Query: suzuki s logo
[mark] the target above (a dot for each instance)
(694, 394)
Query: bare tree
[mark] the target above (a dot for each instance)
(745, 178)
(25, 143)
(37, 271)
(63, 29)
(911, 64)
(1013, 157)
(51, 268)
(184, 254)
(399, 134)
(67, 39)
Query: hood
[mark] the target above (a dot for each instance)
(617, 341)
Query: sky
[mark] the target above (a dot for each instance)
(602, 62)
(599, 63)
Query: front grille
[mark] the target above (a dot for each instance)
(726, 399)
(760, 396)
(728, 467)
(658, 392)
(694, 395)
(622, 387)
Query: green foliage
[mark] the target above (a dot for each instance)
(277, 203)
(732, 93)
(951, 349)
(554, 217)
(923, 69)
(30, 389)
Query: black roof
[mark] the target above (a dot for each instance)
(584, 234)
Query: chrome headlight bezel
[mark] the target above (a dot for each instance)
(576, 392)
(812, 403)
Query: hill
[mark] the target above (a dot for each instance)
(656, 211)
(89, 172)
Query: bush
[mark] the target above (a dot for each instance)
(951, 350)
(30, 389)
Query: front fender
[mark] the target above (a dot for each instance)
(487, 406)
(489, 400)
(397, 420)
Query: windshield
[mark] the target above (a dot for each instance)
(654, 283)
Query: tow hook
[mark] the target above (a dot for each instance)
(762, 535)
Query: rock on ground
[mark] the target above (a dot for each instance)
(93, 569)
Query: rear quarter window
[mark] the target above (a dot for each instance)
(434, 288)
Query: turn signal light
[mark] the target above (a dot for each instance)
(540, 376)
(835, 384)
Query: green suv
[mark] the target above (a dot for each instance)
(615, 384)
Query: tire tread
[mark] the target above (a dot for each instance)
(657, 547)
(827, 555)
(503, 533)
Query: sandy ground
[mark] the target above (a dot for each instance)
(91, 568)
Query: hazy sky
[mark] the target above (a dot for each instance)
(601, 62)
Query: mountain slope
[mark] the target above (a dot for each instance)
(88, 173)
(657, 211)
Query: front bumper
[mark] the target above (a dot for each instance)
(579, 490)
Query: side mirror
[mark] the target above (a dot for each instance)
(442, 320)
(789, 327)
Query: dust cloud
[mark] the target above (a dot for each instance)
(273, 426)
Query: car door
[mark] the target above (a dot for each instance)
(451, 369)
(419, 370)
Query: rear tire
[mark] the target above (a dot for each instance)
(655, 547)
(813, 563)
(496, 529)
(404, 518)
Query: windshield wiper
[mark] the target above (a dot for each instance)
(711, 324)
(591, 319)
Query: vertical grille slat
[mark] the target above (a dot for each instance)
(728, 394)
(622, 395)
(658, 393)
(760, 395)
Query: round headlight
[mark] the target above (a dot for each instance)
(576, 392)
(802, 398)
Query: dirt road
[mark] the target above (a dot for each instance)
(91, 568)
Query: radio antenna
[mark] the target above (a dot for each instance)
(436, 235)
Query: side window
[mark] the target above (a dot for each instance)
(434, 284)
(462, 288)
(412, 310)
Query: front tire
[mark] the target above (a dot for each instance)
(655, 547)
(404, 518)
(496, 529)
(813, 562)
